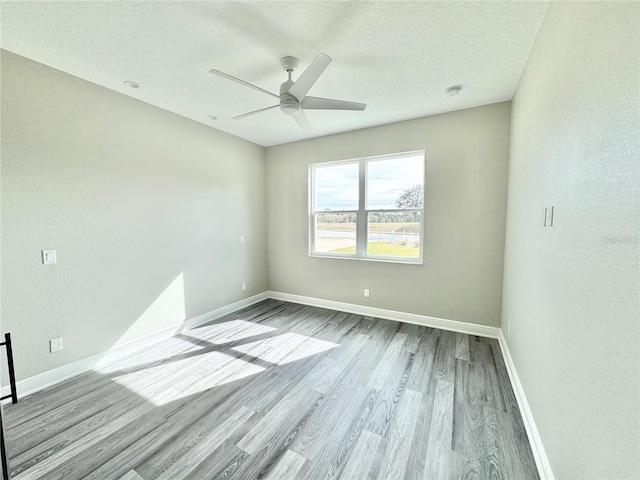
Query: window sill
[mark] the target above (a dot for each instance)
(404, 261)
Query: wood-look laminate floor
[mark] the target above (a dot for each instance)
(282, 391)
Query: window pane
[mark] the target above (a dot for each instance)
(336, 232)
(336, 187)
(394, 234)
(395, 183)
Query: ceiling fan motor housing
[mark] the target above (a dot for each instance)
(289, 105)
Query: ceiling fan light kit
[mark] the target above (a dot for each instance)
(293, 95)
(290, 106)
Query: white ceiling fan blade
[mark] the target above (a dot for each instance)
(309, 76)
(315, 103)
(301, 120)
(241, 82)
(254, 112)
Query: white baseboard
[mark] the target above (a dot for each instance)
(64, 372)
(426, 321)
(539, 454)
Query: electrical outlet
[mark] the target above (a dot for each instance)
(244, 286)
(550, 216)
(366, 292)
(55, 344)
(241, 238)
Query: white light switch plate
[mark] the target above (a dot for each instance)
(48, 257)
(550, 216)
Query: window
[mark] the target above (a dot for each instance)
(369, 208)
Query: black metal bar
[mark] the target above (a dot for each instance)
(3, 450)
(12, 372)
(14, 398)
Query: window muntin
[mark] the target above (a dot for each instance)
(387, 221)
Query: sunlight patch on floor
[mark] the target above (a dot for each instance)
(163, 350)
(285, 348)
(163, 375)
(230, 331)
(206, 371)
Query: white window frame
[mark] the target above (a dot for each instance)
(362, 213)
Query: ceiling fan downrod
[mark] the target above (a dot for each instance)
(289, 105)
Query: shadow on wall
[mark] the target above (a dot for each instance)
(186, 389)
(166, 311)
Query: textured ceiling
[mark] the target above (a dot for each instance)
(398, 57)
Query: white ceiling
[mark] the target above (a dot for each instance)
(398, 57)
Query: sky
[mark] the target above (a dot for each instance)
(337, 185)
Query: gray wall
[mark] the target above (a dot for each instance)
(465, 195)
(145, 209)
(571, 291)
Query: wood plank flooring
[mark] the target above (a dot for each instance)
(282, 391)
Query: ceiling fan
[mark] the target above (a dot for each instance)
(293, 95)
